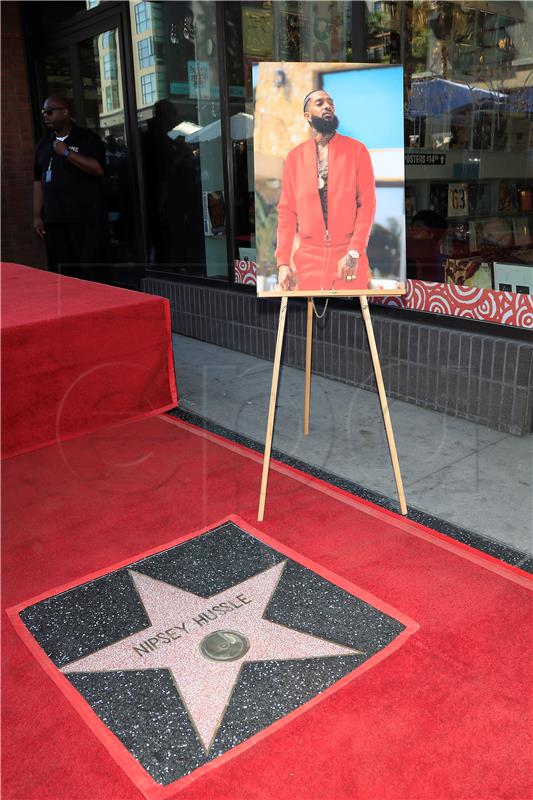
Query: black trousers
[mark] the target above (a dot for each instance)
(78, 249)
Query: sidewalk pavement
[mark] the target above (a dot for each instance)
(464, 473)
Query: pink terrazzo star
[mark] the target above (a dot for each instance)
(181, 621)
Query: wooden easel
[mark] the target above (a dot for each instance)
(274, 392)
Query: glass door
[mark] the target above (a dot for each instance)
(178, 108)
(88, 71)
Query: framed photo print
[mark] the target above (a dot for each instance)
(329, 179)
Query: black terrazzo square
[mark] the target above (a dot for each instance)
(188, 652)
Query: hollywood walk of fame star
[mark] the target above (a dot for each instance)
(195, 637)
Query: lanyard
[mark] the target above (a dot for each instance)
(48, 173)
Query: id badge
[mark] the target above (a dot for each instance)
(48, 176)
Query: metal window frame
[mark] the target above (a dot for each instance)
(228, 162)
(106, 41)
(147, 18)
(149, 42)
(153, 87)
(359, 32)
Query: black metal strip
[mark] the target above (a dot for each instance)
(359, 33)
(136, 178)
(228, 166)
(499, 550)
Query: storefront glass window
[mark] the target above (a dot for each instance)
(275, 31)
(468, 105)
(103, 108)
(469, 137)
(178, 110)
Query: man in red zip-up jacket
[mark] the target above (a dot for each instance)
(327, 197)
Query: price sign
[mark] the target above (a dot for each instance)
(425, 159)
(457, 199)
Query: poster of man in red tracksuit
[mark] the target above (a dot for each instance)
(322, 232)
(328, 196)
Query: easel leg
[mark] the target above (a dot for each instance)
(272, 408)
(384, 405)
(308, 351)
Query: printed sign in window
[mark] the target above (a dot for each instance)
(199, 84)
(457, 199)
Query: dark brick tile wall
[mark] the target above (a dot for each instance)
(485, 379)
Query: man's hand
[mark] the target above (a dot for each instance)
(59, 147)
(38, 227)
(347, 268)
(87, 164)
(287, 278)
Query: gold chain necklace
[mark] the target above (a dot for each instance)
(322, 166)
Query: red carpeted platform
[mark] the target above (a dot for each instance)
(78, 356)
(447, 715)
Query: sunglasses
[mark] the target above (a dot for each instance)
(51, 110)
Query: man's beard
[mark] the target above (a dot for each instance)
(322, 125)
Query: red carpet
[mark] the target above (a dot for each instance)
(78, 356)
(447, 715)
